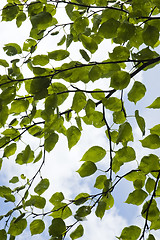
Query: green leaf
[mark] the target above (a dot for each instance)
(81, 198)
(94, 154)
(89, 43)
(156, 226)
(9, 12)
(42, 20)
(155, 104)
(152, 141)
(150, 35)
(137, 197)
(80, 24)
(14, 180)
(36, 201)
(51, 141)
(120, 80)
(150, 236)
(61, 210)
(155, 130)
(98, 95)
(10, 150)
(95, 73)
(90, 107)
(41, 60)
(152, 211)
(137, 92)
(150, 185)
(119, 117)
(42, 186)
(84, 54)
(19, 106)
(119, 53)
(77, 233)
(100, 210)
(3, 234)
(109, 28)
(140, 122)
(130, 233)
(21, 17)
(56, 198)
(79, 101)
(58, 55)
(108, 199)
(4, 63)
(82, 212)
(63, 39)
(124, 133)
(87, 169)
(112, 103)
(16, 228)
(57, 228)
(37, 85)
(37, 226)
(73, 136)
(100, 181)
(29, 45)
(149, 163)
(4, 191)
(58, 88)
(12, 49)
(125, 154)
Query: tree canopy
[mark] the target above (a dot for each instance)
(49, 95)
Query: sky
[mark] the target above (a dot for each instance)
(61, 164)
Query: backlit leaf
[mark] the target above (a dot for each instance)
(3, 234)
(79, 101)
(77, 233)
(140, 122)
(89, 43)
(137, 92)
(131, 232)
(150, 35)
(42, 186)
(73, 136)
(37, 226)
(155, 104)
(16, 228)
(149, 163)
(87, 169)
(120, 80)
(57, 227)
(152, 141)
(51, 141)
(112, 103)
(137, 197)
(58, 55)
(125, 133)
(94, 154)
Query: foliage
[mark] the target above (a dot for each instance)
(40, 111)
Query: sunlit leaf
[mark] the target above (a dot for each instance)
(42, 186)
(87, 169)
(155, 104)
(37, 226)
(131, 232)
(57, 227)
(16, 228)
(73, 136)
(94, 154)
(152, 141)
(77, 233)
(137, 92)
